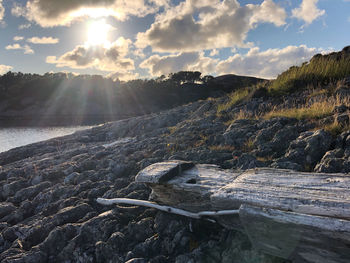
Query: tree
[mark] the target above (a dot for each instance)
(182, 77)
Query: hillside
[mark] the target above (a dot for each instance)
(48, 209)
(65, 99)
(320, 70)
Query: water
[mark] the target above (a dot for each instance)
(15, 137)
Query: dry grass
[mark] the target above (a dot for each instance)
(242, 114)
(265, 158)
(203, 140)
(222, 148)
(318, 92)
(248, 145)
(317, 110)
(172, 129)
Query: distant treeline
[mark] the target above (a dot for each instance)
(66, 94)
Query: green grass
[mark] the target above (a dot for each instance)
(234, 98)
(321, 69)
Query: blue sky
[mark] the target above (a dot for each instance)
(148, 38)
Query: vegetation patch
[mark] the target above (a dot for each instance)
(222, 148)
(233, 99)
(248, 146)
(317, 110)
(321, 69)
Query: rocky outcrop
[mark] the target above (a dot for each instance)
(49, 213)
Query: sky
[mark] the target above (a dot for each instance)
(128, 39)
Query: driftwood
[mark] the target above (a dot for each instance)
(165, 208)
(300, 237)
(293, 215)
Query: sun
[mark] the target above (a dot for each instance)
(97, 33)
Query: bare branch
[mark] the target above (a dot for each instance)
(168, 209)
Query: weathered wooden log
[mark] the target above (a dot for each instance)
(189, 189)
(299, 237)
(294, 215)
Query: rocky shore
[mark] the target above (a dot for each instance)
(48, 209)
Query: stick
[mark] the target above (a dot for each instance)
(164, 208)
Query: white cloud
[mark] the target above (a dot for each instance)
(26, 49)
(110, 58)
(214, 52)
(2, 11)
(266, 64)
(48, 13)
(269, 12)
(4, 69)
(202, 24)
(125, 76)
(18, 38)
(24, 26)
(308, 11)
(43, 40)
(192, 61)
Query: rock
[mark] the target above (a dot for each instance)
(332, 165)
(343, 119)
(11, 188)
(3, 176)
(239, 132)
(332, 162)
(30, 192)
(308, 148)
(340, 109)
(57, 239)
(184, 259)
(6, 209)
(48, 191)
(142, 229)
(71, 214)
(247, 161)
(87, 165)
(117, 169)
(287, 165)
(71, 178)
(342, 92)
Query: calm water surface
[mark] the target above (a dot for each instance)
(14, 137)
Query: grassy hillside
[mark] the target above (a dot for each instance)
(321, 69)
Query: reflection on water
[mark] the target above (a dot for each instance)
(15, 137)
